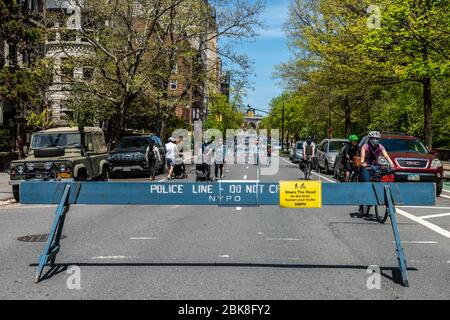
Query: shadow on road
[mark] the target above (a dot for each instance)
(62, 267)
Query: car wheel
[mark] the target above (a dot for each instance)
(105, 174)
(82, 176)
(327, 168)
(16, 193)
(335, 173)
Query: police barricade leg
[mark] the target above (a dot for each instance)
(52, 245)
(400, 254)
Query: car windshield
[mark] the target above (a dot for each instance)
(336, 146)
(404, 145)
(128, 143)
(60, 140)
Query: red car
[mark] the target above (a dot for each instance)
(413, 160)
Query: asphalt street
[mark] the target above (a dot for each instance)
(185, 252)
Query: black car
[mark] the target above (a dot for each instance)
(128, 156)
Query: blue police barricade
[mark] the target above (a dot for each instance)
(225, 193)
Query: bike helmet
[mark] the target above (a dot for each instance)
(374, 135)
(353, 138)
(309, 140)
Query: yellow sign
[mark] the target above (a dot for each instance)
(300, 194)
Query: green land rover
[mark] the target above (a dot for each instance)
(70, 154)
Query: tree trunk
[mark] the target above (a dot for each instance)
(163, 128)
(428, 112)
(348, 119)
(119, 125)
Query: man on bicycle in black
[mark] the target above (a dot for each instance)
(349, 152)
(309, 149)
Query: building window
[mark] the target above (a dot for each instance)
(66, 70)
(175, 68)
(173, 85)
(68, 35)
(88, 73)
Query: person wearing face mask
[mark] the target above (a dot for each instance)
(370, 153)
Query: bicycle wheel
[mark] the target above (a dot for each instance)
(381, 218)
(307, 170)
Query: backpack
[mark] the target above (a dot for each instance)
(151, 154)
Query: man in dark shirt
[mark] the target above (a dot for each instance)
(350, 151)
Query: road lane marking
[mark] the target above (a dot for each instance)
(176, 207)
(245, 177)
(314, 173)
(238, 209)
(16, 206)
(240, 181)
(427, 224)
(224, 256)
(418, 242)
(282, 239)
(145, 238)
(111, 257)
(435, 216)
(444, 196)
(433, 208)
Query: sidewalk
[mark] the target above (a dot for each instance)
(5, 188)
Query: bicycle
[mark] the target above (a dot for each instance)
(377, 174)
(307, 167)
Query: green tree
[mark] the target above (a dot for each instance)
(413, 42)
(136, 46)
(223, 115)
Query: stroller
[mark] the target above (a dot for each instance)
(179, 172)
(202, 172)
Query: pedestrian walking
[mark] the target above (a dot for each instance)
(219, 163)
(171, 154)
(152, 156)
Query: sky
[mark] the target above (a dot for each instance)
(267, 50)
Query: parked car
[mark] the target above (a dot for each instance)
(296, 152)
(413, 160)
(128, 156)
(326, 153)
(60, 154)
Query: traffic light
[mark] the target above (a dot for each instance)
(219, 118)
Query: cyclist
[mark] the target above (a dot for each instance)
(309, 149)
(370, 154)
(350, 151)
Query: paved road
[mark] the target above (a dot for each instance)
(183, 252)
(5, 188)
